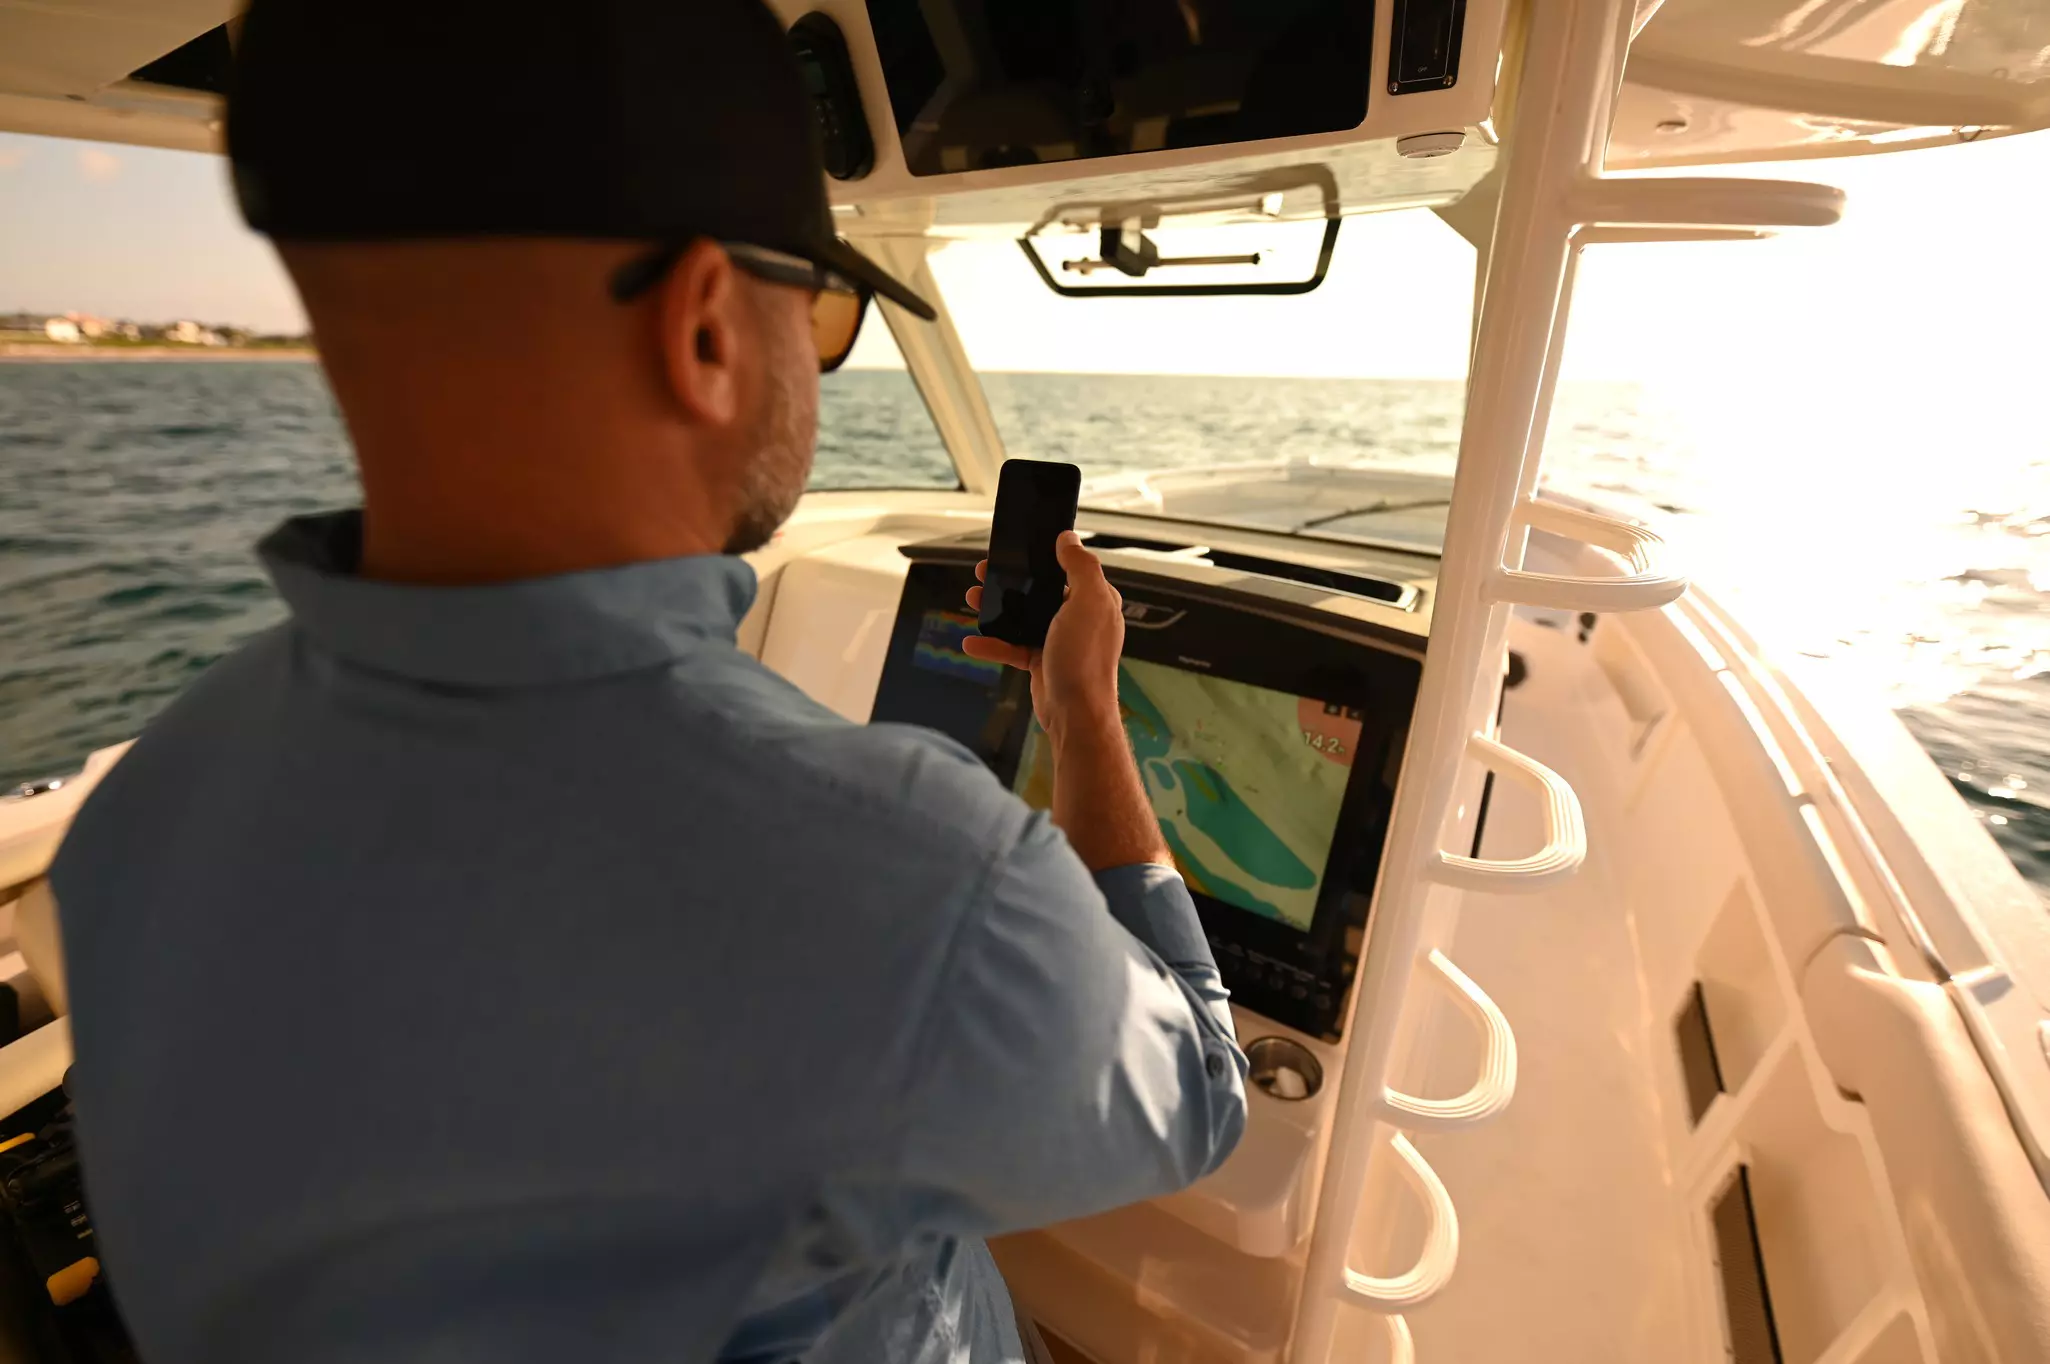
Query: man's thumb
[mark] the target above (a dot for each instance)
(1077, 562)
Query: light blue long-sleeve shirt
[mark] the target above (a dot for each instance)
(522, 972)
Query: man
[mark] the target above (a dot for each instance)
(493, 962)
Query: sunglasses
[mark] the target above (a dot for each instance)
(838, 304)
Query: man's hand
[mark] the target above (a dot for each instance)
(1075, 676)
(1098, 799)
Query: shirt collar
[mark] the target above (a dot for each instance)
(566, 628)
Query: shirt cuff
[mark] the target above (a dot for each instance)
(1153, 904)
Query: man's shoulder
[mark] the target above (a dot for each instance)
(917, 778)
(716, 720)
(166, 771)
(229, 698)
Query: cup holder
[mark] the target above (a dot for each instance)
(1285, 1069)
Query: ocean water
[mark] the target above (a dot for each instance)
(130, 496)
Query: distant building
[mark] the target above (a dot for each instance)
(90, 327)
(128, 331)
(62, 329)
(192, 334)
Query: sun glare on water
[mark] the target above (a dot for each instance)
(1868, 447)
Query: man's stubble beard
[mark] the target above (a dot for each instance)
(788, 432)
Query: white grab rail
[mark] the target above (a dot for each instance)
(1401, 1346)
(1555, 196)
(1423, 1280)
(1645, 585)
(1565, 846)
(1495, 1087)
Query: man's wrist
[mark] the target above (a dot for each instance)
(1099, 799)
(1094, 725)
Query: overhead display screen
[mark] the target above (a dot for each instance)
(1247, 783)
(977, 84)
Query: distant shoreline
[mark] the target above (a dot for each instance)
(59, 354)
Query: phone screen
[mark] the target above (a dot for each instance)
(1025, 585)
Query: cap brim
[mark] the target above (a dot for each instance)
(838, 255)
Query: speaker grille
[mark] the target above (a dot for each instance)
(1747, 1305)
(1698, 1064)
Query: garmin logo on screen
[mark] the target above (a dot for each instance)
(1146, 616)
(1188, 662)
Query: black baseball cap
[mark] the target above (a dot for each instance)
(640, 120)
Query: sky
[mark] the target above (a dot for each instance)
(1936, 275)
(131, 232)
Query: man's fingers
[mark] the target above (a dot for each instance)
(1083, 568)
(981, 570)
(974, 599)
(997, 651)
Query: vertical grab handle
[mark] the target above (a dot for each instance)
(1401, 1347)
(1423, 1280)
(1645, 583)
(1565, 831)
(1496, 1085)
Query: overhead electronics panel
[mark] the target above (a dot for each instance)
(982, 84)
(988, 112)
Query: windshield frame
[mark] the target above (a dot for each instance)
(964, 411)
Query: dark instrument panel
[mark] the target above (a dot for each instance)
(976, 84)
(1269, 747)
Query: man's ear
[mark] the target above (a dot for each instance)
(699, 308)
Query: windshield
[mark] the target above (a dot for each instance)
(874, 430)
(1350, 394)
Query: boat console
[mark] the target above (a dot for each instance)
(1267, 688)
(1268, 744)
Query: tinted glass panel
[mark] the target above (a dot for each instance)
(982, 83)
(875, 432)
(205, 64)
(874, 429)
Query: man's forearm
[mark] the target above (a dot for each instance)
(1098, 800)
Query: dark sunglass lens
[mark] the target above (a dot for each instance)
(835, 323)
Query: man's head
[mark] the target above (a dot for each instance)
(497, 392)
(571, 268)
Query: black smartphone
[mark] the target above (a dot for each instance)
(1025, 584)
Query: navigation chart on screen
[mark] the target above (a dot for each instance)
(1247, 783)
